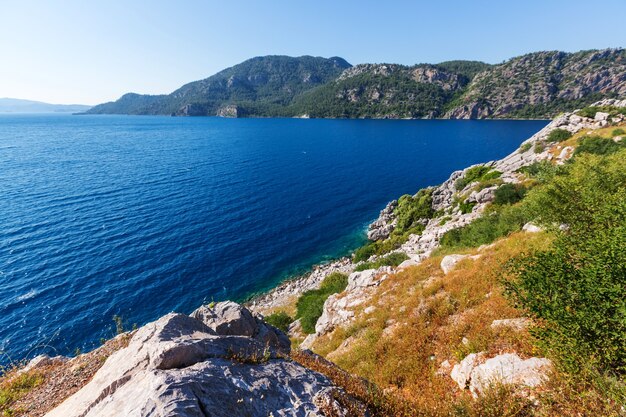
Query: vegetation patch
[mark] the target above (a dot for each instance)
(592, 110)
(478, 173)
(509, 194)
(15, 387)
(577, 286)
(393, 259)
(280, 320)
(493, 224)
(598, 145)
(310, 304)
(559, 135)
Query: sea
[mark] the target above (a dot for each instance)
(138, 216)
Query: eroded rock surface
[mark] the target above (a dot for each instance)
(214, 365)
(477, 373)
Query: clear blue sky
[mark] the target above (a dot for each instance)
(93, 51)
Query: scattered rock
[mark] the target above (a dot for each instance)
(477, 373)
(449, 261)
(517, 324)
(531, 228)
(40, 361)
(508, 368)
(295, 330)
(600, 116)
(461, 372)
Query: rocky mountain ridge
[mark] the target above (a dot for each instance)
(536, 85)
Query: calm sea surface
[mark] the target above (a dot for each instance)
(140, 216)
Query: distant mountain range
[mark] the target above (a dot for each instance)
(536, 85)
(14, 105)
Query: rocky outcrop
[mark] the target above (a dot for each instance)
(382, 227)
(339, 308)
(449, 261)
(477, 373)
(216, 364)
(540, 84)
(230, 110)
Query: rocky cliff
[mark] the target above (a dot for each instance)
(543, 84)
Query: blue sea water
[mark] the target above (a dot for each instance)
(140, 216)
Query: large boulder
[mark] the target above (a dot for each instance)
(478, 374)
(448, 263)
(179, 366)
(229, 318)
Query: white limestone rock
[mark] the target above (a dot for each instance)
(450, 261)
(178, 366)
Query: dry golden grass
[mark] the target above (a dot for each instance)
(423, 318)
(38, 391)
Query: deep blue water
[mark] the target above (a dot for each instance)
(139, 216)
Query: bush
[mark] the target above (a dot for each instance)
(311, 304)
(596, 145)
(411, 209)
(509, 194)
(592, 110)
(280, 320)
(477, 173)
(618, 132)
(525, 147)
(393, 259)
(577, 287)
(466, 207)
(487, 228)
(539, 147)
(559, 135)
(364, 252)
(542, 170)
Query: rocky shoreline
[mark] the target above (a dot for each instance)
(338, 309)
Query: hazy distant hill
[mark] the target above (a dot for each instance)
(14, 105)
(536, 85)
(258, 86)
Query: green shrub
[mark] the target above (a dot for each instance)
(334, 283)
(410, 209)
(618, 132)
(525, 147)
(542, 171)
(539, 147)
(311, 303)
(577, 287)
(466, 207)
(393, 259)
(364, 252)
(486, 229)
(596, 145)
(592, 110)
(280, 320)
(477, 173)
(509, 194)
(559, 135)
